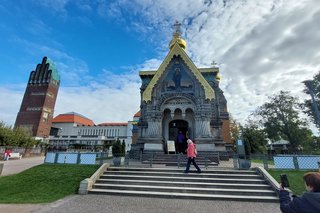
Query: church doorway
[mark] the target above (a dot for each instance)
(176, 129)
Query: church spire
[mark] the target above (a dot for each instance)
(177, 37)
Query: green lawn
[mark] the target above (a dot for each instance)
(44, 183)
(270, 162)
(295, 178)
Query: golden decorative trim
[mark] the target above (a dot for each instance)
(177, 50)
(151, 72)
(211, 69)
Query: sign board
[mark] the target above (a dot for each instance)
(240, 149)
(171, 147)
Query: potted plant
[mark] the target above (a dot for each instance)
(118, 153)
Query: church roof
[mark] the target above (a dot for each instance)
(73, 117)
(113, 124)
(177, 50)
(138, 114)
(202, 70)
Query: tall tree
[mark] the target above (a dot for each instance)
(280, 118)
(254, 137)
(234, 129)
(313, 88)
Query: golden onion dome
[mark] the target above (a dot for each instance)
(218, 77)
(177, 39)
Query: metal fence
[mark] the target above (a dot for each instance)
(204, 160)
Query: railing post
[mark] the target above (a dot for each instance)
(126, 160)
(265, 162)
(206, 161)
(235, 162)
(295, 162)
(101, 158)
(56, 157)
(319, 165)
(78, 158)
(151, 160)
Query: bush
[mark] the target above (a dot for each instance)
(117, 150)
(123, 147)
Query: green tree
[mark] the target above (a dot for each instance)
(254, 138)
(280, 118)
(15, 137)
(314, 85)
(123, 147)
(117, 148)
(234, 129)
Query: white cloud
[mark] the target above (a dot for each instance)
(114, 98)
(11, 97)
(263, 46)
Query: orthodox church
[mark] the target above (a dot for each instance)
(180, 97)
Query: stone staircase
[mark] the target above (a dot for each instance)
(211, 184)
(179, 159)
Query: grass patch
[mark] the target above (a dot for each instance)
(270, 162)
(44, 183)
(295, 178)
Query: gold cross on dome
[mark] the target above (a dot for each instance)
(214, 64)
(177, 26)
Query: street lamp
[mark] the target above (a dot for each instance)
(309, 85)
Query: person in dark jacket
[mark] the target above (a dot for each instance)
(308, 202)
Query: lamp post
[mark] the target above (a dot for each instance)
(309, 85)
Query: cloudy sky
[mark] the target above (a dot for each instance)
(261, 47)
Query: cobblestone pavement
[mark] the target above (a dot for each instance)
(125, 204)
(120, 204)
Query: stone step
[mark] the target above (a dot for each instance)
(172, 169)
(226, 196)
(181, 174)
(188, 177)
(251, 192)
(185, 184)
(169, 182)
(182, 163)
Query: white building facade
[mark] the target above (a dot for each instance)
(72, 132)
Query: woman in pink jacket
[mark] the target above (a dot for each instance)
(191, 154)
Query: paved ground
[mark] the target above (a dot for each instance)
(14, 166)
(121, 204)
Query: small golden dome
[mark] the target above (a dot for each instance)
(176, 38)
(218, 77)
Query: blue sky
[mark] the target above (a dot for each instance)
(99, 46)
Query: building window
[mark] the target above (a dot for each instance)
(37, 93)
(34, 108)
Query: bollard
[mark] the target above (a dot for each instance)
(1, 167)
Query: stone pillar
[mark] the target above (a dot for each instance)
(154, 128)
(153, 140)
(202, 127)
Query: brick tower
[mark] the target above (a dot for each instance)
(36, 111)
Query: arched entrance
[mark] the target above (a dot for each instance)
(177, 126)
